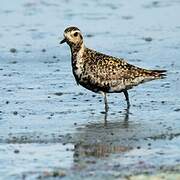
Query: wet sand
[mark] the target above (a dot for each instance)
(50, 127)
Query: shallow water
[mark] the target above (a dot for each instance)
(52, 127)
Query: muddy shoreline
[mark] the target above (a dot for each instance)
(52, 128)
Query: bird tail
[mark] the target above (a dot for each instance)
(158, 73)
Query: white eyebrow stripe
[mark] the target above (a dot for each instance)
(76, 31)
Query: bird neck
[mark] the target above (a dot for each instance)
(77, 51)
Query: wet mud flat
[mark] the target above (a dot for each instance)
(52, 128)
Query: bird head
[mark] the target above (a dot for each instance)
(72, 36)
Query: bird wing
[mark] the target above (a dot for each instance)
(116, 74)
(119, 74)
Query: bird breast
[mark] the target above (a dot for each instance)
(78, 64)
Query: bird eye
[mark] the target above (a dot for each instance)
(76, 34)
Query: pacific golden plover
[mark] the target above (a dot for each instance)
(103, 73)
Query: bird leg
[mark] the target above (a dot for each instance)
(127, 98)
(105, 102)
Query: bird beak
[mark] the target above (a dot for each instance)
(63, 41)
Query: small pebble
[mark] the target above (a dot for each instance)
(52, 114)
(102, 112)
(127, 17)
(27, 51)
(43, 50)
(59, 93)
(13, 62)
(13, 50)
(89, 35)
(16, 151)
(148, 39)
(15, 112)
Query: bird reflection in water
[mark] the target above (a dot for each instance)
(101, 139)
(126, 117)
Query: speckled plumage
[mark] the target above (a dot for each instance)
(102, 73)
